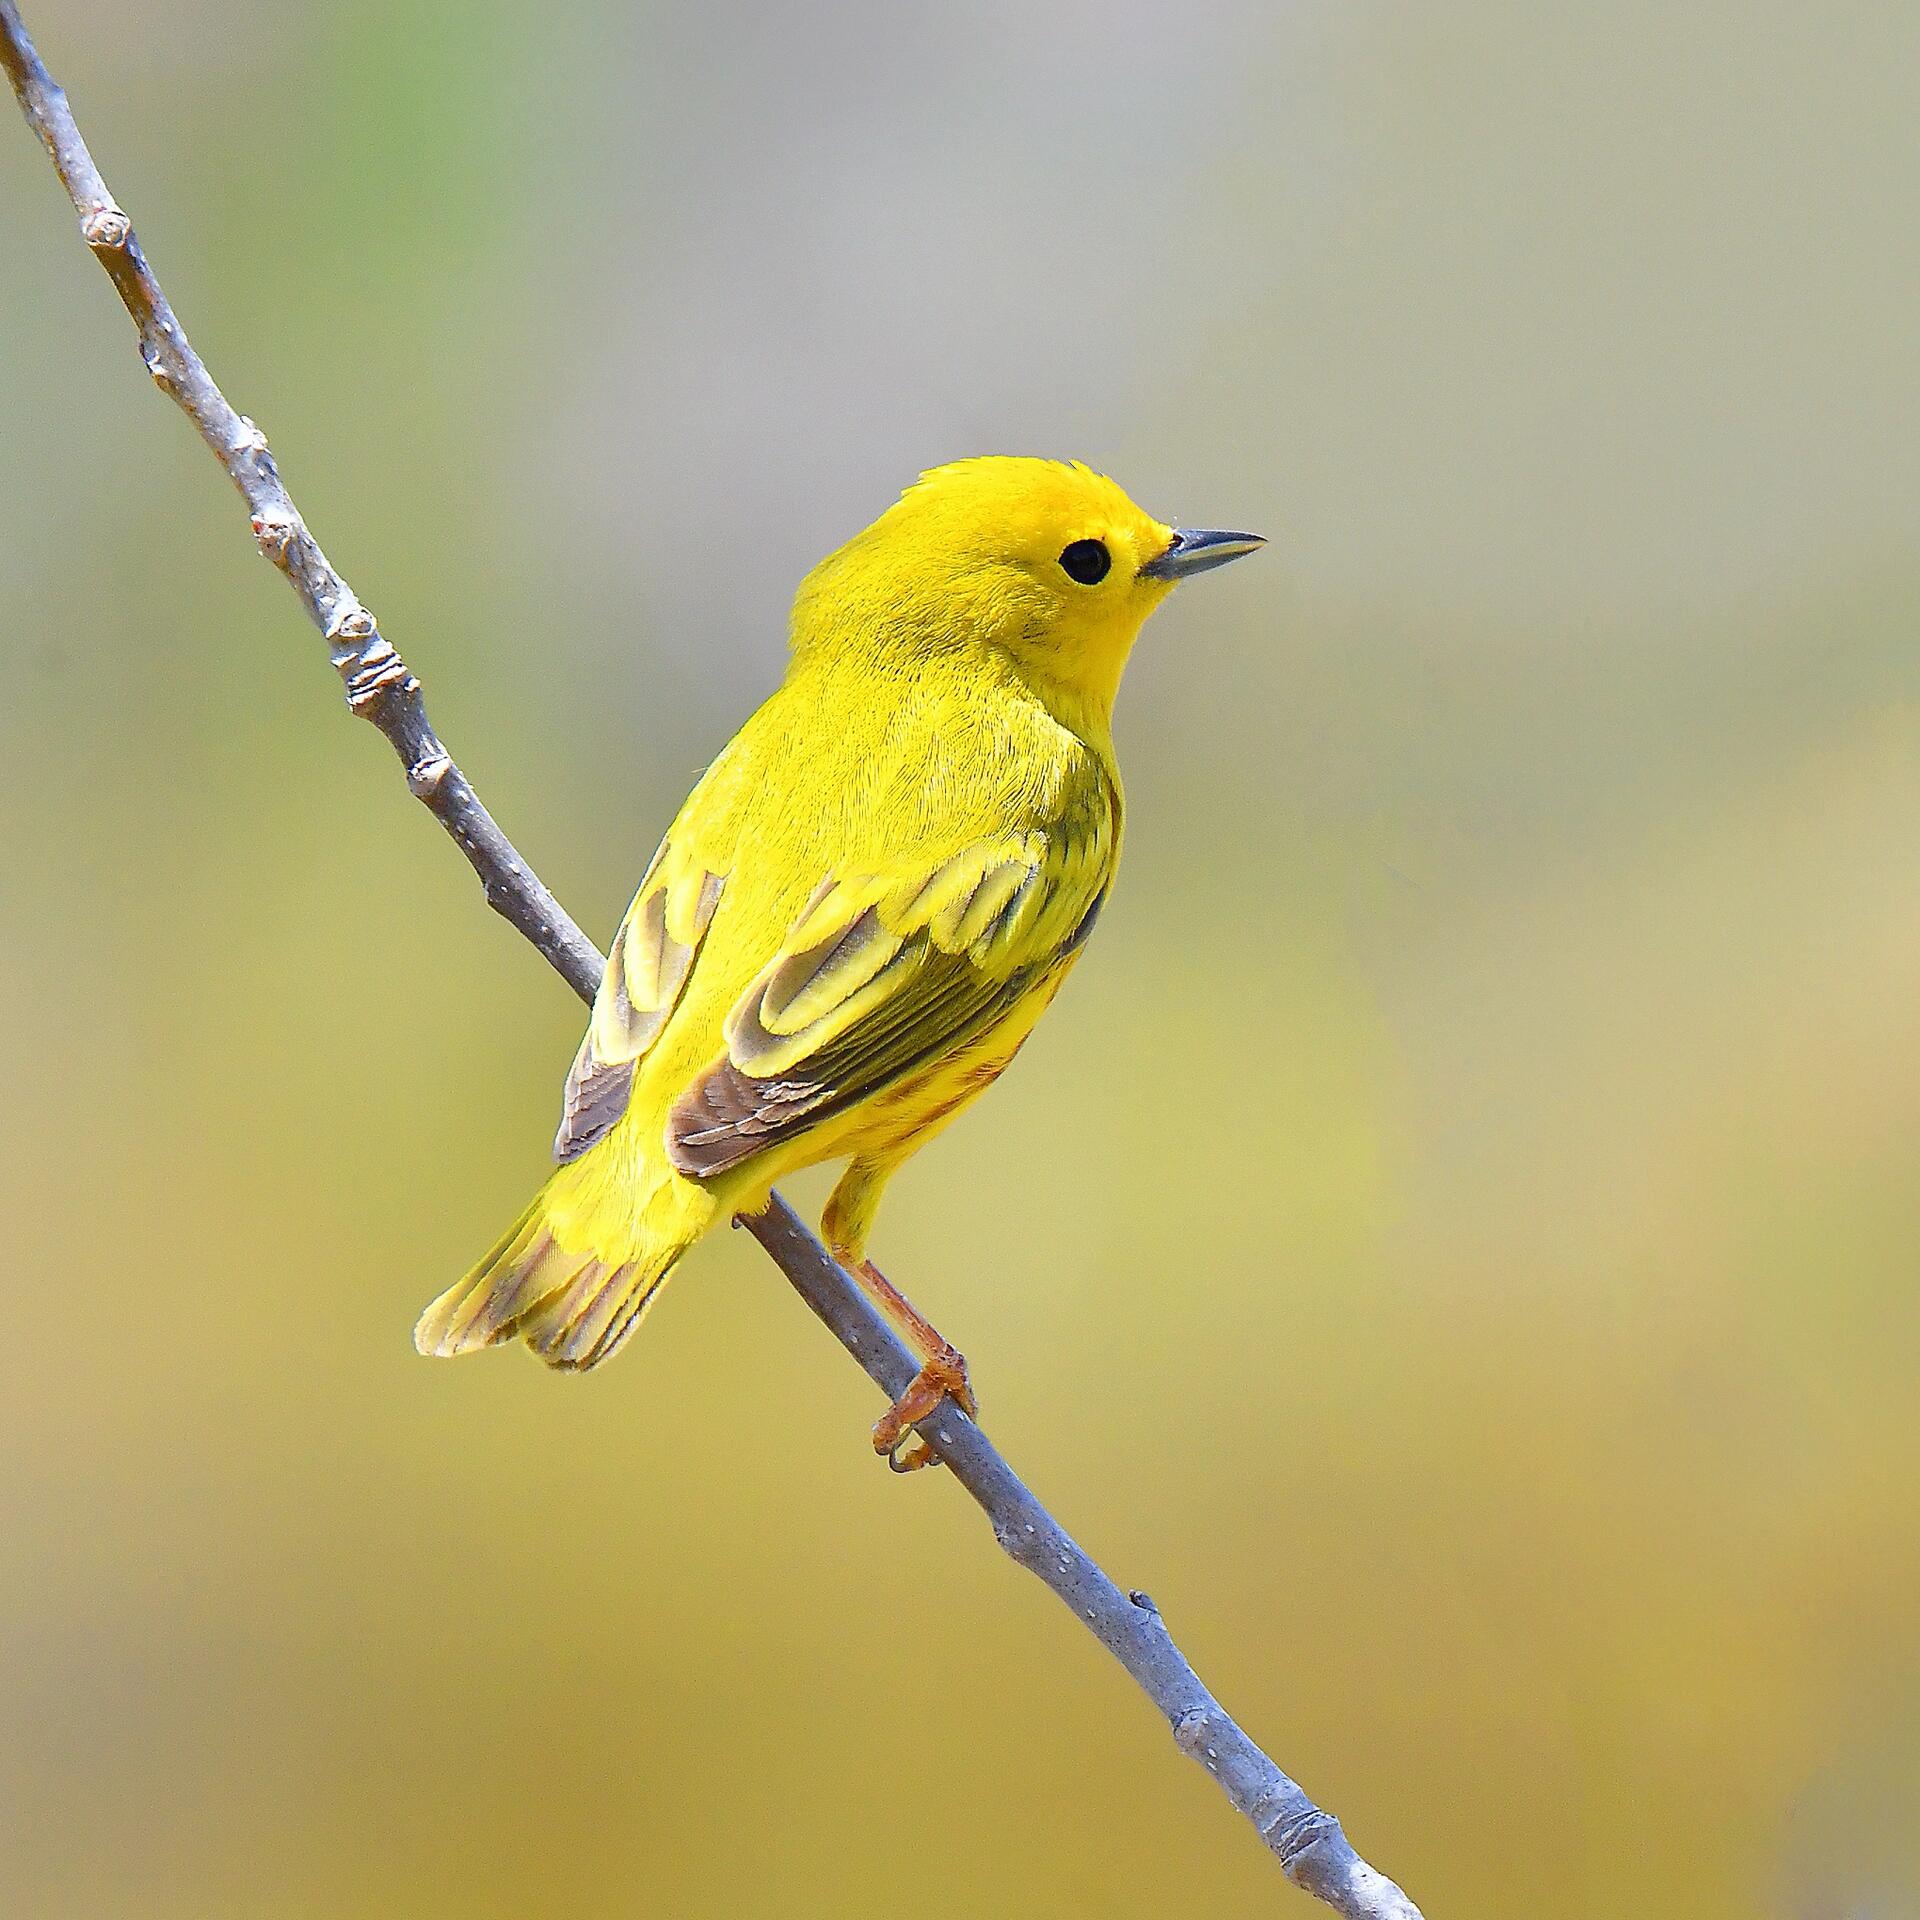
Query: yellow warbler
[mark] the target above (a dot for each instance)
(860, 911)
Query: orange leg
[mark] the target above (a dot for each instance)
(942, 1376)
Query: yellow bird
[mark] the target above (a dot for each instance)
(860, 911)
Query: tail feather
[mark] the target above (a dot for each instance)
(574, 1309)
(590, 1320)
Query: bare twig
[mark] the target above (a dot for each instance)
(1307, 1841)
(379, 687)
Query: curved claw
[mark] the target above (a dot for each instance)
(944, 1376)
(902, 1456)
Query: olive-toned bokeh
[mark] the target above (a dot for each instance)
(1455, 1241)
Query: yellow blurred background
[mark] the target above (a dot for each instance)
(1474, 1289)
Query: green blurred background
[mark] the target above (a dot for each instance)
(1454, 1243)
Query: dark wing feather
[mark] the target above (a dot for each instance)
(647, 970)
(880, 977)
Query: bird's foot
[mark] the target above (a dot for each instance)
(942, 1376)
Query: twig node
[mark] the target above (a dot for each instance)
(274, 531)
(424, 779)
(353, 622)
(106, 229)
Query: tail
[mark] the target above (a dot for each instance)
(573, 1296)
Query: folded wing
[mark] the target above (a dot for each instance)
(881, 976)
(647, 971)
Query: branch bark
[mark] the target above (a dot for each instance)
(1307, 1841)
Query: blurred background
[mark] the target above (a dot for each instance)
(1511, 1400)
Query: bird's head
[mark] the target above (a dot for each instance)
(1049, 564)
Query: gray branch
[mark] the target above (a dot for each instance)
(1305, 1838)
(379, 687)
(1307, 1841)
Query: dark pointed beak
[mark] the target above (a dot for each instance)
(1195, 550)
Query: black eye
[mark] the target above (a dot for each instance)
(1086, 561)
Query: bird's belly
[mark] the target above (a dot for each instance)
(900, 1119)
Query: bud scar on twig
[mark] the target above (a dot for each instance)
(106, 229)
